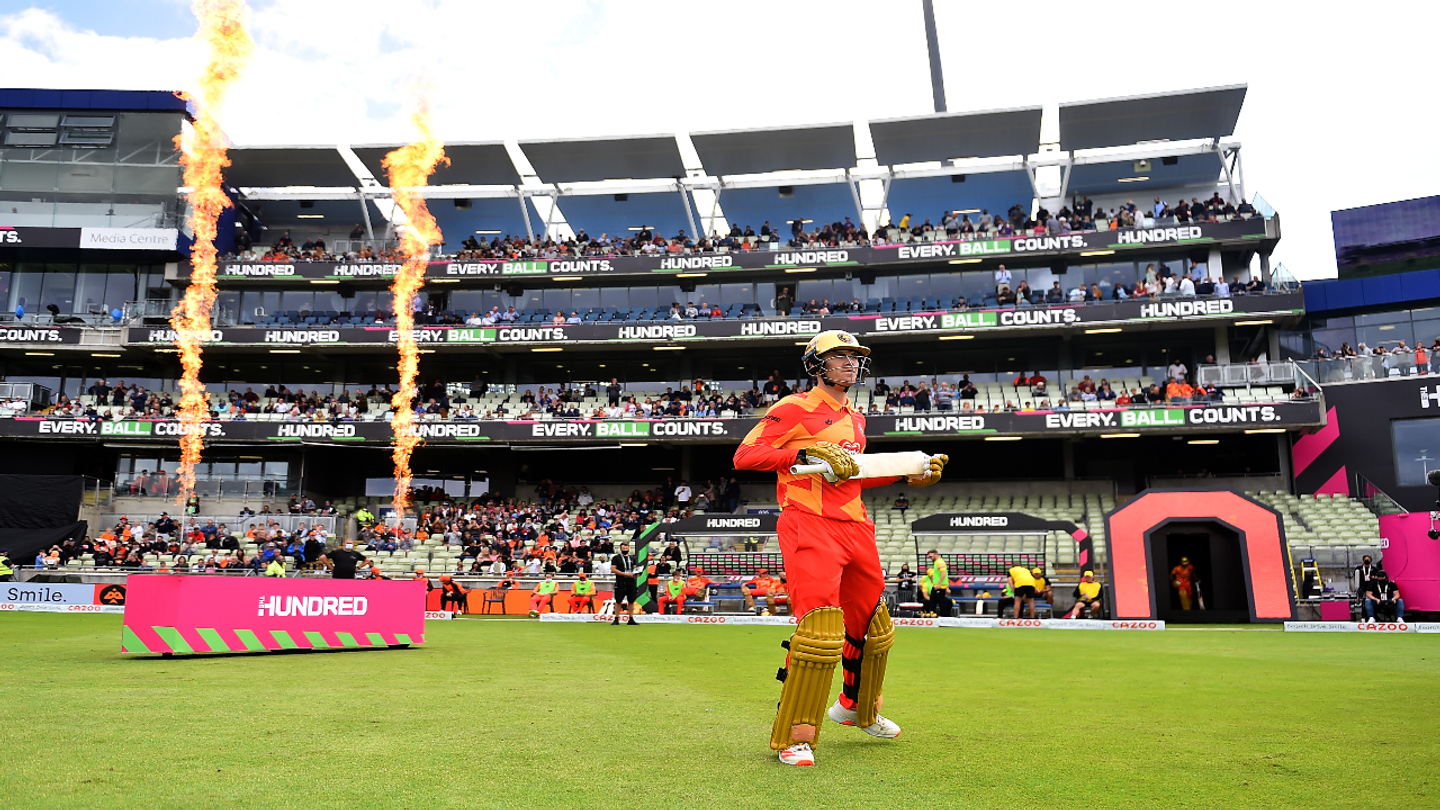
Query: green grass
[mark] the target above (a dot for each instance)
(516, 714)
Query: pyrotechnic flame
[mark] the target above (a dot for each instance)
(409, 168)
(203, 154)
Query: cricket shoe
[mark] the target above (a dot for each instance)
(798, 754)
(882, 727)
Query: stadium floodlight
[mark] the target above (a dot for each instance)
(1264, 322)
(324, 281)
(1106, 331)
(669, 348)
(801, 269)
(284, 351)
(1203, 441)
(966, 261)
(957, 337)
(1003, 438)
(546, 349)
(566, 278)
(1119, 435)
(691, 275)
(1098, 253)
(39, 354)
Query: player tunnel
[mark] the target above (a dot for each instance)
(1199, 557)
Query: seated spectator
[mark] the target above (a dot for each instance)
(777, 596)
(582, 595)
(543, 597)
(756, 587)
(452, 595)
(1088, 600)
(902, 503)
(672, 592)
(1382, 599)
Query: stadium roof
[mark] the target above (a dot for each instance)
(471, 164)
(19, 98)
(1178, 116)
(956, 135)
(757, 151)
(594, 159)
(279, 166)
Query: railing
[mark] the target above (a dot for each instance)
(97, 493)
(38, 396)
(207, 487)
(234, 522)
(1248, 374)
(1366, 367)
(1375, 498)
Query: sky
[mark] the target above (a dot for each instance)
(1336, 116)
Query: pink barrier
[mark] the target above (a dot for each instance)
(1412, 559)
(195, 614)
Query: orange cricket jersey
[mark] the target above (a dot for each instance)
(793, 424)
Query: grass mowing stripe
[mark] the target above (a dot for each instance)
(1177, 720)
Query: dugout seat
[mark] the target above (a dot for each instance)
(493, 596)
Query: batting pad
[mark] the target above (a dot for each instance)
(879, 638)
(814, 652)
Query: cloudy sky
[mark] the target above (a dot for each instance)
(1337, 113)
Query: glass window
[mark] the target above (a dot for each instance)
(228, 302)
(557, 300)
(1426, 332)
(119, 289)
(59, 287)
(584, 299)
(366, 301)
(90, 288)
(532, 299)
(1417, 449)
(644, 297)
(1382, 317)
(466, 301)
(737, 294)
(1386, 334)
(617, 297)
(947, 285)
(708, 293)
(297, 301)
(329, 300)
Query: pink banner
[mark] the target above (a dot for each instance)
(194, 614)
(1412, 559)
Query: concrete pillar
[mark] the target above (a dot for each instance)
(1216, 264)
(1222, 345)
(1264, 268)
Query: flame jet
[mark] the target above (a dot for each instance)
(203, 156)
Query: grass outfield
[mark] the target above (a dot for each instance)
(516, 714)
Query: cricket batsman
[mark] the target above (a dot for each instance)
(828, 543)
